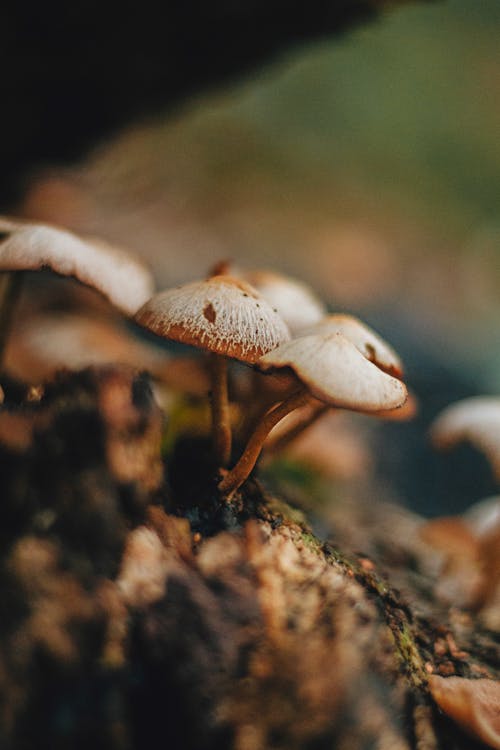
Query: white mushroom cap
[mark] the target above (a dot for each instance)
(364, 338)
(295, 301)
(476, 420)
(51, 341)
(120, 277)
(220, 314)
(337, 373)
(483, 517)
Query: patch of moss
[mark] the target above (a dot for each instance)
(185, 417)
(408, 653)
(297, 480)
(278, 507)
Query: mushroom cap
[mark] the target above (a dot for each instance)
(297, 304)
(403, 413)
(51, 341)
(364, 338)
(220, 314)
(473, 704)
(120, 277)
(337, 373)
(475, 419)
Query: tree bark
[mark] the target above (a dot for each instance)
(140, 613)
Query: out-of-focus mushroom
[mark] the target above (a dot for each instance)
(226, 317)
(329, 368)
(457, 555)
(364, 338)
(473, 704)
(476, 420)
(483, 517)
(332, 445)
(116, 274)
(52, 341)
(120, 277)
(297, 304)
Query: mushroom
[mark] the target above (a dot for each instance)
(295, 301)
(226, 317)
(120, 277)
(473, 704)
(51, 341)
(376, 350)
(475, 419)
(327, 367)
(369, 343)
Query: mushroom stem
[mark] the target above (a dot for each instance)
(9, 295)
(241, 471)
(221, 419)
(299, 428)
(258, 404)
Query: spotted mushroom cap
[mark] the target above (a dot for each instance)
(297, 304)
(476, 420)
(220, 314)
(120, 277)
(369, 343)
(337, 373)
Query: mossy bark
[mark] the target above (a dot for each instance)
(135, 615)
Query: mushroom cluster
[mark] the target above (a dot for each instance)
(330, 361)
(301, 359)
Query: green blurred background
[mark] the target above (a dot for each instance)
(369, 166)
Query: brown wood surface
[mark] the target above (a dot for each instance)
(140, 611)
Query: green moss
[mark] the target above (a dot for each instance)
(408, 653)
(281, 508)
(185, 416)
(311, 541)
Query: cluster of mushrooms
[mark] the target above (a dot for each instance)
(299, 355)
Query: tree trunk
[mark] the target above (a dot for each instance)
(141, 614)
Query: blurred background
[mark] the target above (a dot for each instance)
(367, 165)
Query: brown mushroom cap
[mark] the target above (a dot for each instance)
(220, 314)
(476, 420)
(295, 301)
(337, 373)
(120, 277)
(364, 338)
(473, 704)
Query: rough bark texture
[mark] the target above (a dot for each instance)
(140, 615)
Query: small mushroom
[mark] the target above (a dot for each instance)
(364, 338)
(226, 317)
(473, 704)
(297, 304)
(51, 341)
(120, 277)
(327, 367)
(476, 420)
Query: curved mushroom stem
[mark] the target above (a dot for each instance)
(261, 400)
(301, 426)
(221, 418)
(9, 294)
(241, 471)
